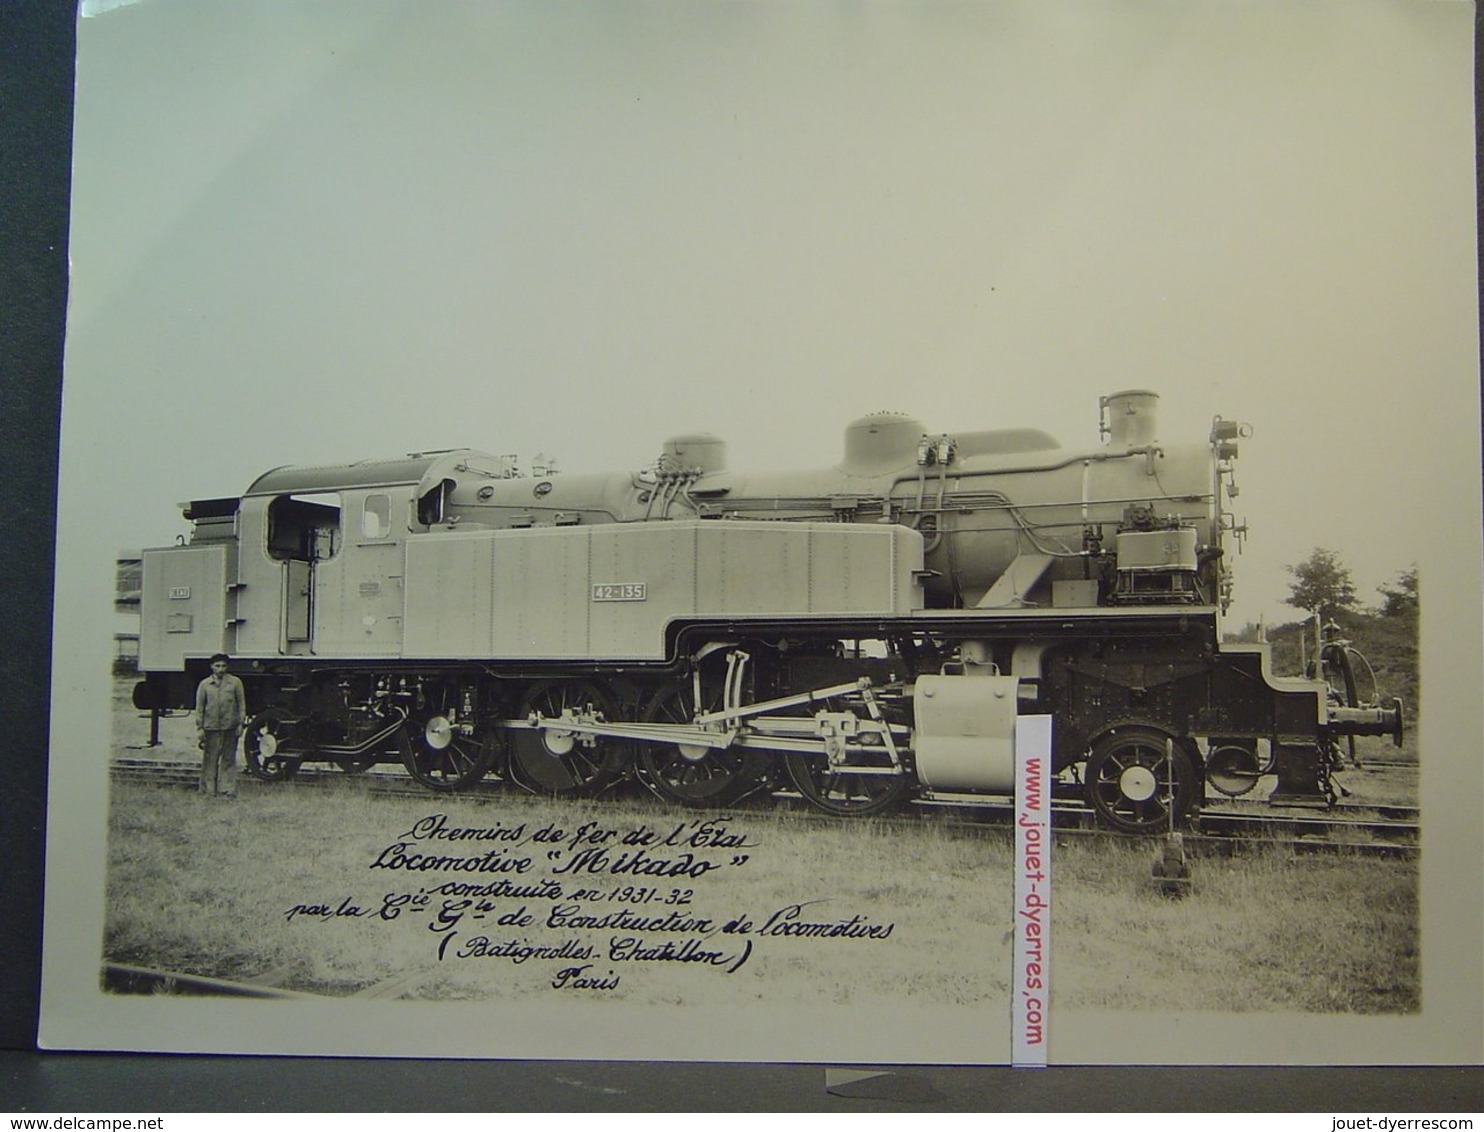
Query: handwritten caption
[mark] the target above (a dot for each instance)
(581, 906)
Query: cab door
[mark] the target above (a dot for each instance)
(357, 595)
(303, 535)
(298, 606)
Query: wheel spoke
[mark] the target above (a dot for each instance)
(468, 753)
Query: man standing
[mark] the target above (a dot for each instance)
(221, 706)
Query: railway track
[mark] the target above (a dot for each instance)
(1223, 828)
(274, 982)
(127, 978)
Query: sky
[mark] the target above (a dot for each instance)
(311, 233)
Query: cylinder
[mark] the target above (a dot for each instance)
(964, 736)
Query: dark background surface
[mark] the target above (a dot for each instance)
(59, 1083)
(37, 40)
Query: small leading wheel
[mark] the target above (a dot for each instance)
(1140, 779)
(693, 774)
(550, 760)
(442, 756)
(268, 744)
(841, 792)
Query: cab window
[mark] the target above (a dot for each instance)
(376, 517)
(305, 528)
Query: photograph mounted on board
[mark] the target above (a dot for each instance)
(611, 481)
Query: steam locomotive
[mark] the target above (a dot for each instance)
(864, 634)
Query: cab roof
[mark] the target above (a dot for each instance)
(399, 471)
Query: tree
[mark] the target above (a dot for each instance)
(1400, 596)
(1322, 585)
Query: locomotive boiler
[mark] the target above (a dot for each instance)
(864, 633)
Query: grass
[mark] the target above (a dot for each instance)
(203, 885)
(1266, 931)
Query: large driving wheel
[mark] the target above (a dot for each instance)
(1140, 779)
(695, 775)
(847, 793)
(443, 756)
(554, 761)
(271, 746)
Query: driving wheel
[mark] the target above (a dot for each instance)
(694, 774)
(553, 760)
(270, 746)
(444, 756)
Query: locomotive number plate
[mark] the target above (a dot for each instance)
(620, 591)
(180, 593)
